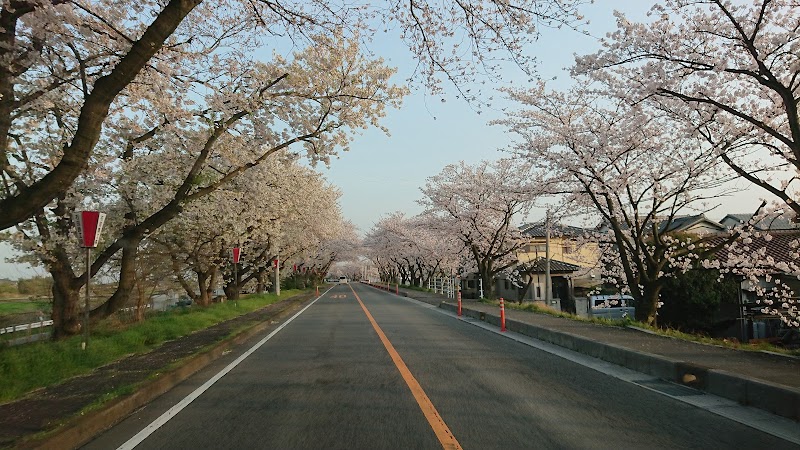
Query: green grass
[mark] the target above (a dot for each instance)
(532, 307)
(416, 288)
(8, 307)
(728, 343)
(28, 367)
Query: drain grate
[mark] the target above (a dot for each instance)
(675, 390)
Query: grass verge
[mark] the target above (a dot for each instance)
(29, 367)
(8, 307)
(416, 288)
(668, 332)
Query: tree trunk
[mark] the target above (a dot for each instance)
(66, 295)
(140, 302)
(231, 289)
(485, 269)
(66, 305)
(261, 286)
(126, 283)
(526, 288)
(647, 307)
(203, 279)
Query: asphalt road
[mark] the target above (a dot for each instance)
(328, 380)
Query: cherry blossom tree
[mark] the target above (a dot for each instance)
(254, 112)
(728, 73)
(342, 246)
(631, 167)
(66, 66)
(279, 208)
(478, 205)
(410, 249)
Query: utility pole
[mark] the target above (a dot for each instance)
(548, 288)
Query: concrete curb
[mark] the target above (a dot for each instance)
(79, 430)
(774, 398)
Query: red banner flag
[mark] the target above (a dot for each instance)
(236, 254)
(89, 226)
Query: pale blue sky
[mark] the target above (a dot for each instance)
(384, 174)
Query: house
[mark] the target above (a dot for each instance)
(697, 225)
(574, 262)
(572, 250)
(780, 271)
(775, 221)
(562, 278)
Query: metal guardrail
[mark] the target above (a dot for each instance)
(47, 323)
(26, 327)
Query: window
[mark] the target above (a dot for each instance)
(470, 284)
(538, 292)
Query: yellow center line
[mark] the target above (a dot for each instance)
(436, 422)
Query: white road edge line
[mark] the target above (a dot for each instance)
(172, 412)
(780, 427)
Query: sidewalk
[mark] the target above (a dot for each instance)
(759, 379)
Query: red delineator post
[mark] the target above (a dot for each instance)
(317, 291)
(397, 288)
(458, 296)
(502, 315)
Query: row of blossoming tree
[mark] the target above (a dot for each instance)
(468, 225)
(660, 118)
(164, 116)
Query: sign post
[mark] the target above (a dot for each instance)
(89, 226)
(458, 293)
(277, 266)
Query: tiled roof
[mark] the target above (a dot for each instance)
(678, 223)
(770, 222)
(556, 266)
(681, 223)
(778, 246)
(538, 230)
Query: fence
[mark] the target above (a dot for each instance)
(124, 314)
(444, 286)
(26, 327)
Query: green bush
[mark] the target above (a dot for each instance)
(8, 288)
(692, 300)
(36, 286)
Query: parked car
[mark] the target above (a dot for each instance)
(611, 306)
